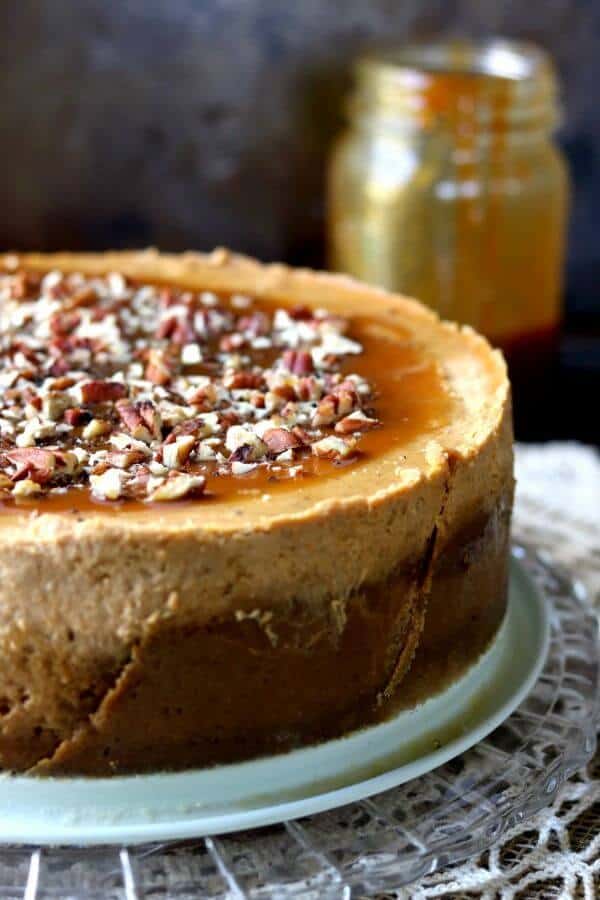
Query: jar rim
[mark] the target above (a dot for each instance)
(503, 83)
(495, 58)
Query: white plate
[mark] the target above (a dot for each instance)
(133, 809)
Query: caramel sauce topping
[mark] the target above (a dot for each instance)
(386, 393)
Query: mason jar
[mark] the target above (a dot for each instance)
(447, 185)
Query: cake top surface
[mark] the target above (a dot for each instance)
(136, 380)
(144, 392)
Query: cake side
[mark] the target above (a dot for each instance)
(170, 709)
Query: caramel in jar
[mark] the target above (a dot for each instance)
(448, 187)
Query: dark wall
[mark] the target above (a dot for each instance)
(188, 123)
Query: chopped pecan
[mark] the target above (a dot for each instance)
(257, 399)
(244, 453)
(53, 404)
(255, 325)
(326, 411)
(205, 397)
(166, 327)
(24, 285)
(124, 459)
(158, 370)
(356, 422)
(102, 391)
(26, 488)
(300, 362)
(239, 437)
(96, 428)
(334, 447)
(238, 467)
(62, 383)
(35, 463)
(178, 329)
(230, 342)
(63, 323)
(109, 484)
(151, 417)
(333, 406)
(197, 427)
(243, 380)
(309, 389)
(178, 486)
(278, 440)
(76, 416)
(67, 461)
(300, 313)
(335, 323)
(169, 297)
(132, 418)
(302, 435)
(175, 454)
(59, 367)
(87, 296)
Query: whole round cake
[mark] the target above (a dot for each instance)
(242, 508)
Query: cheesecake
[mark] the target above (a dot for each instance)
(243, 508)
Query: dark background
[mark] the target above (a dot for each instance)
(190, 123)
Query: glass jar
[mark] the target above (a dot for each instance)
(447, 185)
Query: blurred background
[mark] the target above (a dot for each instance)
(193, 123)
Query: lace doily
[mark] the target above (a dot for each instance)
(555, 854)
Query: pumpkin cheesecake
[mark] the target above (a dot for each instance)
(242, 508)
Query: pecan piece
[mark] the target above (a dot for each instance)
(151, 417)
(205, 397)
(241, 380)
(299, 362)
(124, 459)
(131, 417)
(178, 486)
(283, 392)
(357, 421)
(326, 411)
(175, 453)
(24, 285)
(95, 428)
(63, 323)
(34, 463)
(75, 416)
(166, 328)
(158, 370)
(302, 435)
(177, 329)
(26, 488)
(59, 367)
(109, 484)
(102, 391)
(333, 406)
(278, 440)
(62, 383)
(230, 342)
(87, 296)
(309, 388)
(334, 447)
(257, 324)
(300, 313)
(245, 443)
